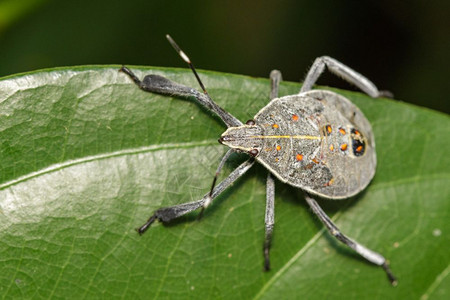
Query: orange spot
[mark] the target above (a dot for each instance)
(315, 160)
(356, 132)
(359, 148)
(344, 147)
(329, 182)
(299, 157)
(278, 148)
(294, 117)
(331, 147)
(329, 129)
(342, 131)
(275, 125)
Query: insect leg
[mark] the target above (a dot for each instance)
(158, 84)
(275, 79)
(166, 214)
(269, 219)
(209, 199)
(342, 71)
(366, 253)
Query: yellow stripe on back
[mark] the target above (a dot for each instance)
(300, 137)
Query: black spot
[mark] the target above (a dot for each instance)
(327, 130)
(358, 143)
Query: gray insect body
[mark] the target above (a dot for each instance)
(316, 140)
(308, 140)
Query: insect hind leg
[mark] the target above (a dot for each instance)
(366, 253)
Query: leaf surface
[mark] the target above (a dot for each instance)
(86, 157)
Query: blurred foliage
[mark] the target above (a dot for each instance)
(13, 10)
(402, 46)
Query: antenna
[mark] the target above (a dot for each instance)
(187, 60)
(205, 98)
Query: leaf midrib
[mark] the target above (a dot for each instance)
(123, 152)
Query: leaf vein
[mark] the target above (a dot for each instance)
(66, 164)
(439, 278)
(294, 258)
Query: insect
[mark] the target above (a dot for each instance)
(315, 140)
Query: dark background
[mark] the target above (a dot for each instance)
(402, 46)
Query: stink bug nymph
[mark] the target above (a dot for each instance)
(315, 140)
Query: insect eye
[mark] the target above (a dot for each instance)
(253, 152)
(358, 143)
(250, 122)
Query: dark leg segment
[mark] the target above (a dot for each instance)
(166, 214)
(161, 85)
(366, 253)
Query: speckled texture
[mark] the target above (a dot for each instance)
(308, 140)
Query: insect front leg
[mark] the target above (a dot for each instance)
(209, 199)
(160, 85)
(167, 214)
(366, 253)
(343, 71)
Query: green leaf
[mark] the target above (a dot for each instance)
(86, 157)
